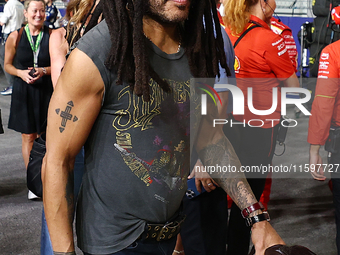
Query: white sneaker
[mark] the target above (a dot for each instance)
(32, 196)
(7, 91)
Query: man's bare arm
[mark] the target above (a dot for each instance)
(73, 109)
(215, 149)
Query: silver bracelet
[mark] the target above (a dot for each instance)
(179, 252)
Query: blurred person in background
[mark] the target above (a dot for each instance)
(11, 19)
(325, 116)
(27, 58)
(51, 14)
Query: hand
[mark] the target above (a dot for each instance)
(315, 161)
(38, 73)
(263, 236)
(26, 77)
(202, 178)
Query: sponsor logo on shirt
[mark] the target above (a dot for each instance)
(277, 42)
(324, 56)
(282, 52)
(281, 46)
(325, 72)
(323, 65)
(291, 47)
(237, 65)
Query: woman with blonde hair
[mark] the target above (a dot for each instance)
(27, 58)
(78, 14)
(262, 64)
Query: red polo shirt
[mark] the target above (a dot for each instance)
(281, 29)
(261, 54)
(326, 105)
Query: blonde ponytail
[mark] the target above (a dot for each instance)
(236, 14)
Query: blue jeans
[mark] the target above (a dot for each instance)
(147, 247)
(45, 241)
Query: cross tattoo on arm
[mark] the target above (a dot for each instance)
(66, 115)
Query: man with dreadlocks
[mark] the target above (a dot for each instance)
(125, 91)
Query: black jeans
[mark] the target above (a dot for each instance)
(204, 231)
(147, 247)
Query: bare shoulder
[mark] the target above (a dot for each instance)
(58, 35)
(12, 37)
(58, 43)
(81, 74)
(59, 32)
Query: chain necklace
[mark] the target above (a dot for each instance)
(179, 43)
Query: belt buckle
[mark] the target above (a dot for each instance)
(163, 231)
(168, 227)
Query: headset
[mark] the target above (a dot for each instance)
(277, 16)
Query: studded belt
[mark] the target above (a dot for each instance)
(163, 232)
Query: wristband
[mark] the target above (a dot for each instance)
(257, 206)
(257, 218)
(44, 70)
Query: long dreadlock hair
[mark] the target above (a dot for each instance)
(201, 37)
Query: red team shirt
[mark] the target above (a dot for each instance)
(281, 29)
(326, 106)
(261, 54)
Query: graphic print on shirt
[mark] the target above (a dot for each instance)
(169, 160)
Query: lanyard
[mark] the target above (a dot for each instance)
(35, 46)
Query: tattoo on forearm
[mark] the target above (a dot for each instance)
(70, 195)
(64, 253)
(66, 115)
(234, 183)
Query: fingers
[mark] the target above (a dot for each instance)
(215, 183)
(316, 172)
(208, 184)
(28, 80)
(192, 174)
(198, 185)
(319, 176)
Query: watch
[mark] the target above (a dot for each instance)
(44, 70)
(257, 218)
